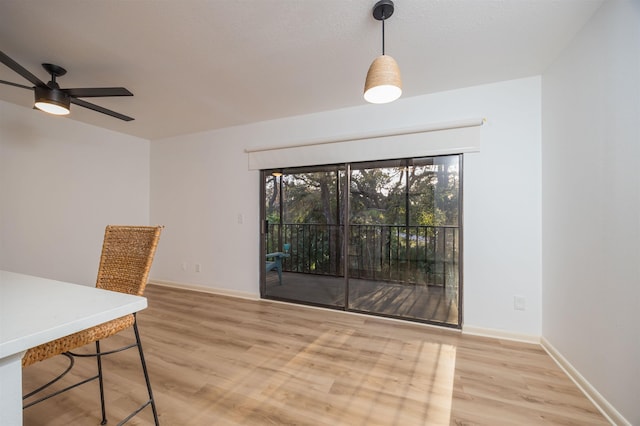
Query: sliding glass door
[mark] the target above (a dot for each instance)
(404, 238)
(378, 237)
(303, 235)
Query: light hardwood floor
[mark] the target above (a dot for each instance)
(217, 360)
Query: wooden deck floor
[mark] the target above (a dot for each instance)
(432, 303)
(217, 360)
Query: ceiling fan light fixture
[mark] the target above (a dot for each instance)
(52, 101)
(383, 83)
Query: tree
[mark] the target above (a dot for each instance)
(411, 197)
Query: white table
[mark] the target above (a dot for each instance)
(37, 310)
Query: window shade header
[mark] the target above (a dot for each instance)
(447, 138)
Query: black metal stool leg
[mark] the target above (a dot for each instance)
(99, 354)
(101, 384)
(146, 373)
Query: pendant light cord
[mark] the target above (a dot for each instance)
(383, 33)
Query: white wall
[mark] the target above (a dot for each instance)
(591, 204)
(61, 183)
(199, 186)
(201, 183)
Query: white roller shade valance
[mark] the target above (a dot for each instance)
(446, 138)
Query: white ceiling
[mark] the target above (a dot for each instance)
(196, 65)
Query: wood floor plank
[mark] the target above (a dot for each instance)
(216, 360)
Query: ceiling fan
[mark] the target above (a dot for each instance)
(49, 97)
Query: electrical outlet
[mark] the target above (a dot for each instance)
(184, 266)
(240, 219)
(519, 303)
(197, 267)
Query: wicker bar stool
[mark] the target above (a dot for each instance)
(127, 255)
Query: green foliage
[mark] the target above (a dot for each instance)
(400, 192)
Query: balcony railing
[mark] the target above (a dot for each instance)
(398, 253)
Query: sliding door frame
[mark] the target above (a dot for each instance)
(345, 189)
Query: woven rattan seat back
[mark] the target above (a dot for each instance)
(127, 255)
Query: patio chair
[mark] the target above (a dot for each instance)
(127, 255)
(274, 261)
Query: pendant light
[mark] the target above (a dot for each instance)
(383, 83)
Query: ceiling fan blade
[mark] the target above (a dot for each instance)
(16, 85)
(97, 92)
(21, 70)
(94, 107)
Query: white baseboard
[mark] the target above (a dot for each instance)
(205, 289)
(594, 396)
(500, 334)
